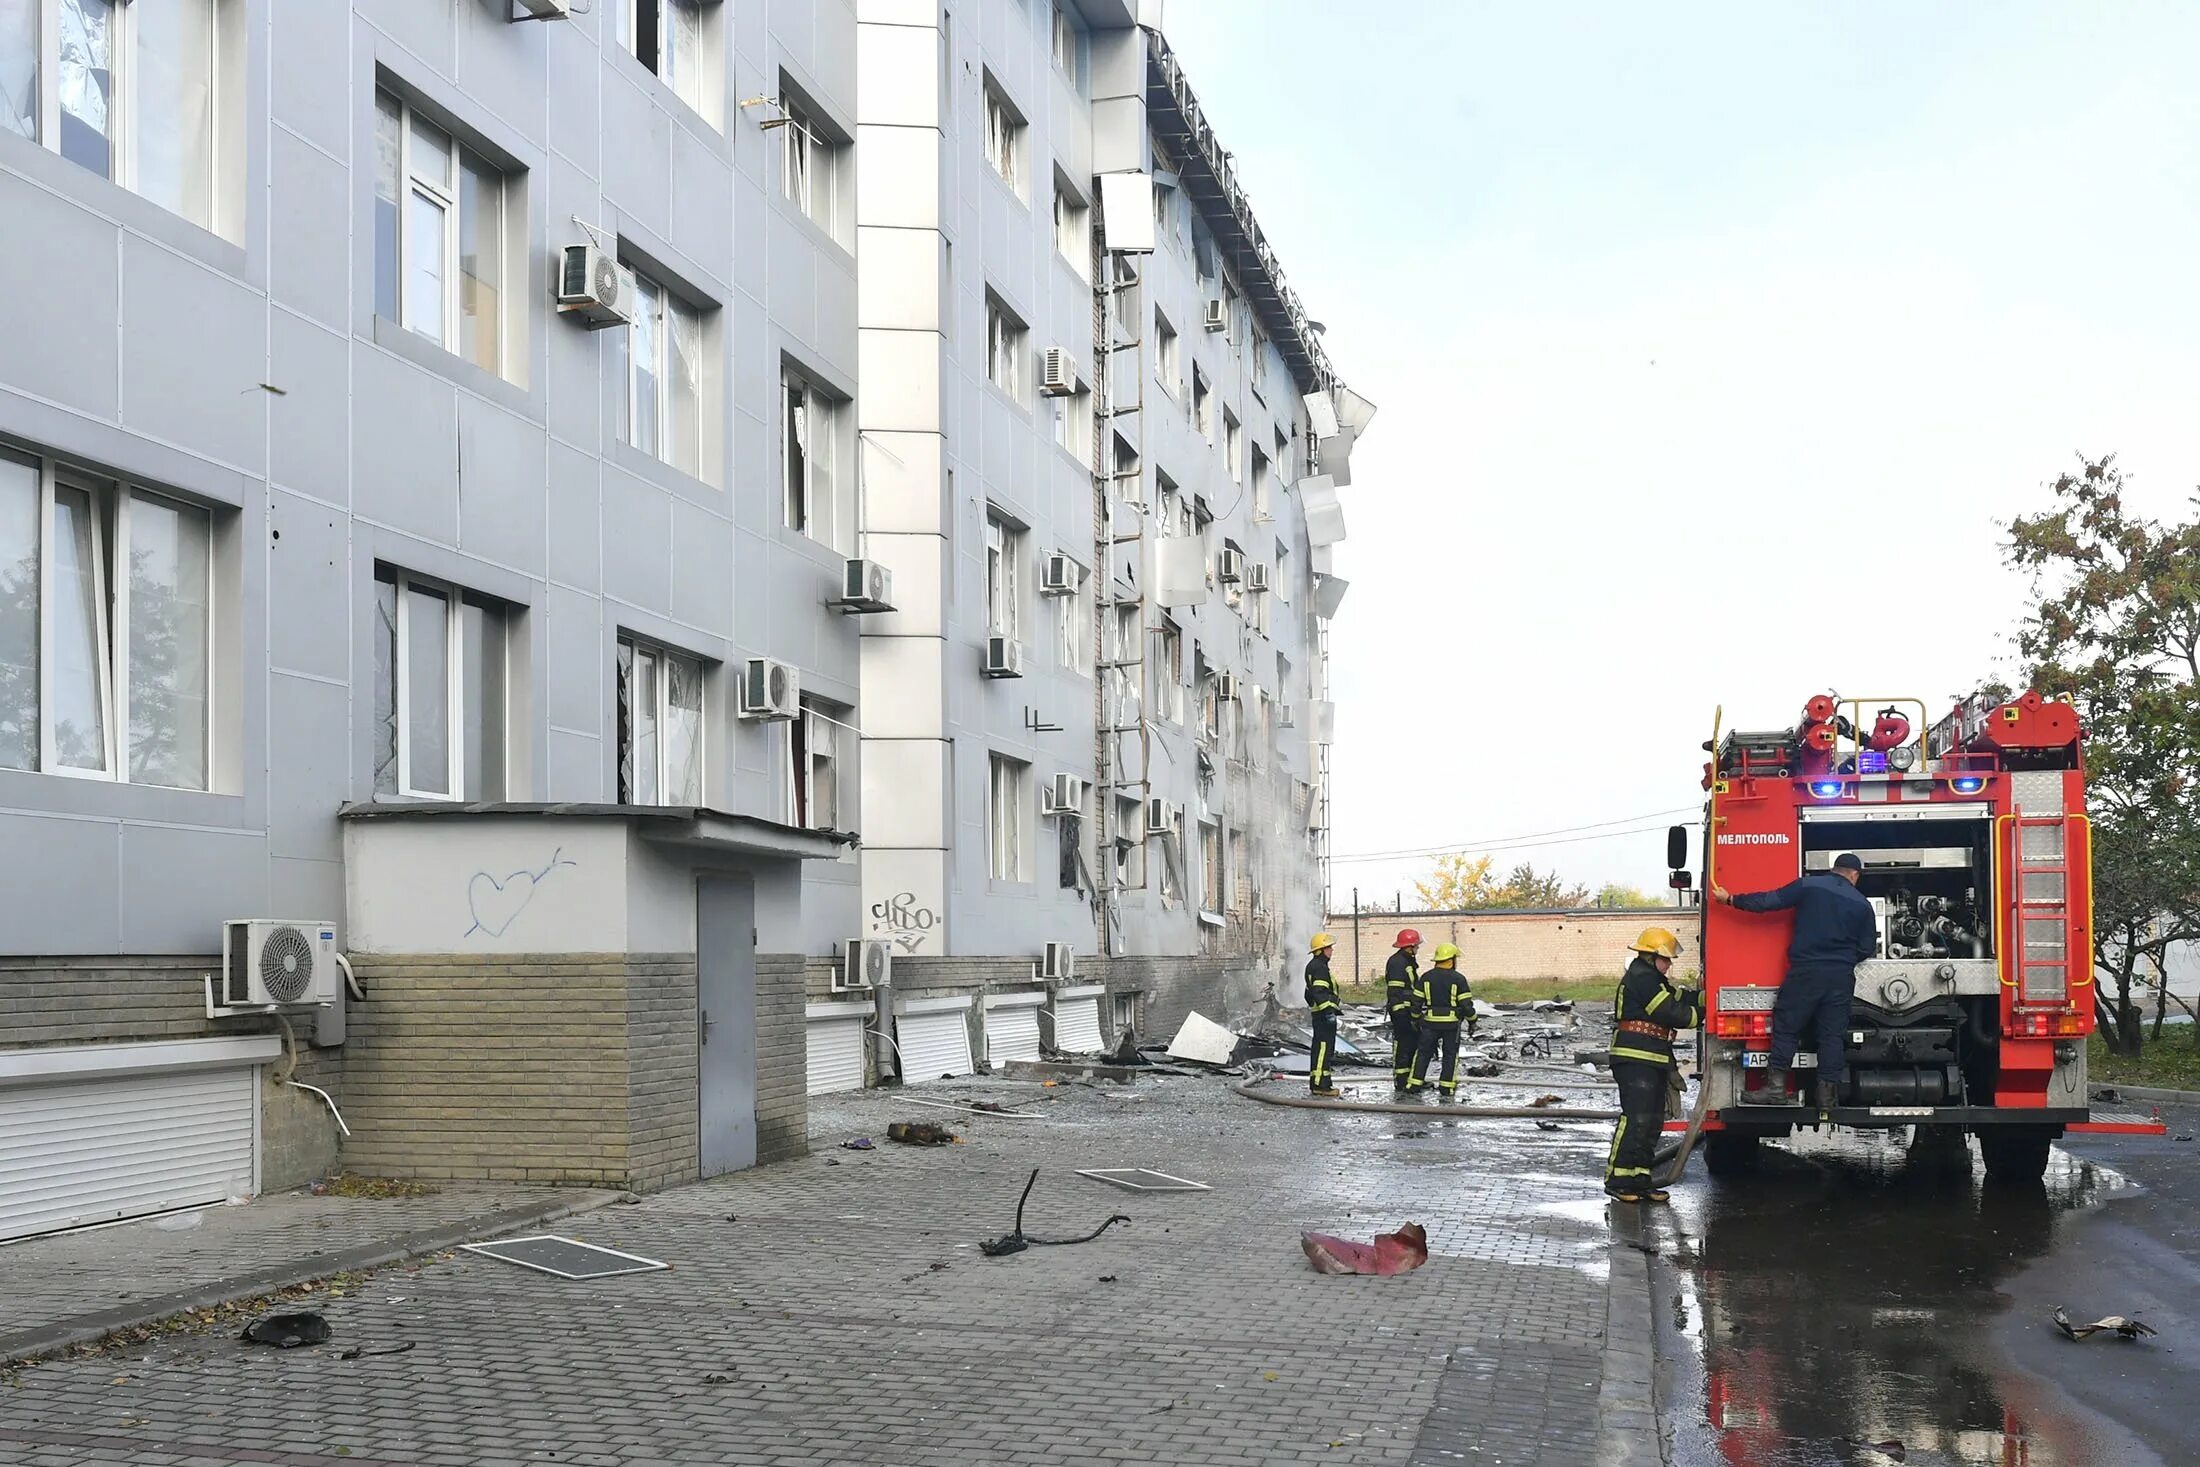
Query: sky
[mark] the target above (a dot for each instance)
(1713, 345)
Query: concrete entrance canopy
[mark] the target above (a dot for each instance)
(531, 1007)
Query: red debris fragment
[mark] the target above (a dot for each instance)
(1390, 1253)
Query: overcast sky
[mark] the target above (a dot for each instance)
(1710, 342)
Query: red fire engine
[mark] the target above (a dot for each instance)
(1973, 1015)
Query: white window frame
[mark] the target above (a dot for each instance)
(454, 642)
(1063, 37)
(810, 166)
(1233, 447)
(638, 648)
(1169, 676)
(820, 424)
(1073, 626)
(447, 196)
(1168, 355)
(111, 618)
(699, 95)
(1203, 406)
(1263, 486)
(1005, 135)
(1073, 424)
(1072, 227)
(1005, 337)
(122, 99)
(820, 742)
(670, 304)
(1212, 868)
(1004, 553)
(1008, 789)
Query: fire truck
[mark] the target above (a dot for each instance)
(1972, 1016)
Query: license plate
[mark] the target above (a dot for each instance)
(1756, 1059)
(1806, 1061)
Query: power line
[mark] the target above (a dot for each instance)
(1508, 841)
(1526, 845)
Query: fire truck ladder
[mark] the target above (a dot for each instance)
(2039, 867)
(1121, 687)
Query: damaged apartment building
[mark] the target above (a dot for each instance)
(572, 575)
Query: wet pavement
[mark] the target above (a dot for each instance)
(1851, 1303)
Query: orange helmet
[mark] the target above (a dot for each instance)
(1407, 937)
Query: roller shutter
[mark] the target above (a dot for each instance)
(834, 1039)
(1012, 1027)
(1077, 1021)
(933, 1041)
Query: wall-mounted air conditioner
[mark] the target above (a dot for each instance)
(1230, 566)
(1064, 795)
(1164, 817)
(1004, 657)
(867, 962)
(1227, 687)
(1287, 716)
(593, 288)
(1059, 575)
(274, 964)
(1218, 315)
(1256, 577)
(1057, 373)
(865, 586)
(1059, 964)
(770, 690)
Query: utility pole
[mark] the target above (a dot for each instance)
(1355, 934)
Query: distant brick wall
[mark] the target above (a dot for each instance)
(1560, 946)
(782, 1057)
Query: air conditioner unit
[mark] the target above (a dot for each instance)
(1057, 373)
(867, 962)
(1286, 716)
(1064, 795)
(1163, 817)
(1218, 315)
(544, 9)
(865, 585)
(1227, 687)
(1256, 577)
(1230, 568)
(277, 964)
(1060, 963)
(1059, 575)
(1004, 657)
(770, 690)
(594, 288)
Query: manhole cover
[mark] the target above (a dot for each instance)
(568, 1258)
(1143, 1179)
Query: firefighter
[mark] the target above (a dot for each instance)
(1322, 1000)
(1446, 1002)
(1649, 1009)
(1401, 989)
(1835, 929)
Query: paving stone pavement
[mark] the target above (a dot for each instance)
(835, 1309)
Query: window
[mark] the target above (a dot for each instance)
(1229, 311)
(1283, 457)
(1064, 32)
(1004, 553)
(1126, 293)
(1210, 868)
(1069, 836)
(1235, 873)
(1125, 700)
(660, 726)
(440, 679)
(1073, 423)
(813, 769)
(664, 377)
(1073, 625)
(1233, 447)
(106, 628)
(811, 165)
(438, 235)
(1263, 510)
(132, 91)
(678, 40)
(1280, 581)
(1168, 356)
(1004, 348)
(1129, 477)
(1004, 138)
(820, 501)
(1203, 406)
(1072, 228)
(1210, 699)
(1005, 825)
(1203, 525)
(1130, 844)
(1169, 676)
(1176, 508)
(1257, 349)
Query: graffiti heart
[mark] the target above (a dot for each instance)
(496, 902)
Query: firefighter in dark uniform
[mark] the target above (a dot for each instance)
(1446, 1003)
(1835, 929)
(1401, 991)
(1325, 1004)
(1650, 1009)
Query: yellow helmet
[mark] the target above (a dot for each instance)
(1321, 940)
(1658, 942)
(1446, 953)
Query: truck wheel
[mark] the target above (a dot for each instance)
(2014, 1157)
(1730, 1153)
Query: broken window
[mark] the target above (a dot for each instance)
(660, 717)
(439, 694)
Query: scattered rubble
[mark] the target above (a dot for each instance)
(287, 1331)
(920, 1133)
(2121, 1325)
(1390, 1253)
(1019, 1240)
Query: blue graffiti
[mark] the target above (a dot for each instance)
(496, 904)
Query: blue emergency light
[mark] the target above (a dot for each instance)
(1967, 784)
(1826, 789)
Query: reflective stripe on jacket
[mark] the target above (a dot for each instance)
(1401, 979)
(1321, 989)
(1646, 996)
(1445, 996)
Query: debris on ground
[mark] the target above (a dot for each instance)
(1889, 1448)
(921, 1133)
(717, 1378)
(361, 1352)
(1390, 1253)
(1542, 1100)
(1126, 1049)
(1202, 1041)
(373, 1189)
(287, 1331)
(1019, 1240)
(860, 1143)
(2123, 1325)
(1482, 1071)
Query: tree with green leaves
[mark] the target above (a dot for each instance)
(2118, 630)
(1616, 894)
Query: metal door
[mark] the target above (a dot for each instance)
(725, 1020)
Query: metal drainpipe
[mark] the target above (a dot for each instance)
(884, 1040)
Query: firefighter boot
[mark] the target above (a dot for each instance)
(1829, 1095)
(1774, 1092)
